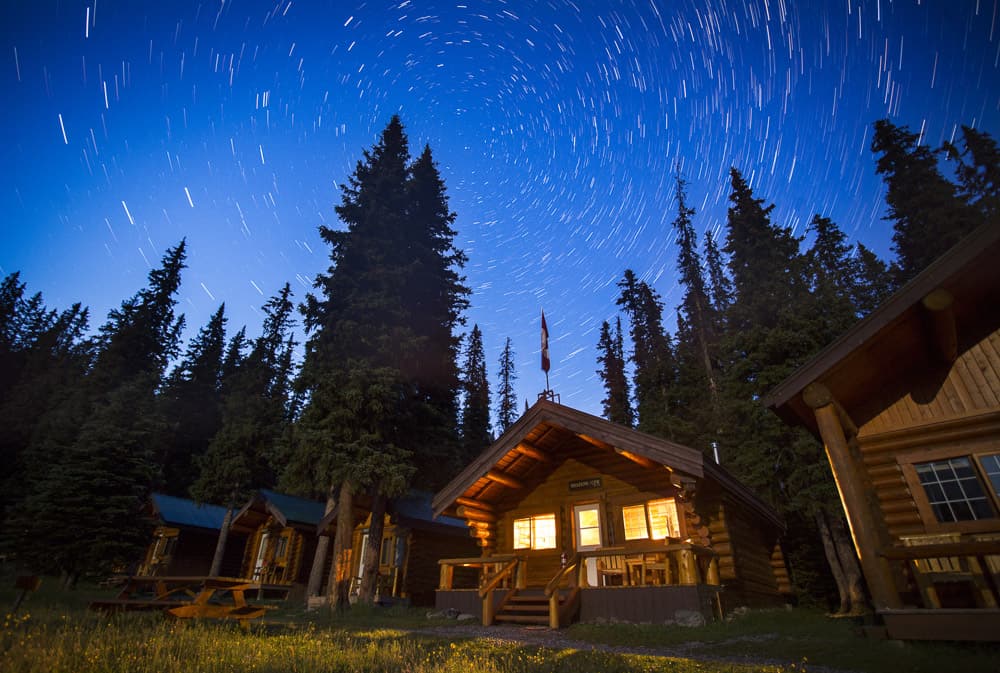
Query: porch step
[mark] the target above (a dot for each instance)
(523, 619)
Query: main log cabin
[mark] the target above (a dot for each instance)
(184, 539)
(580, 518)
(907, 404)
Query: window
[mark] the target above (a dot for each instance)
(953, 489)
(991, 466)
(535, 532)
(653, 520)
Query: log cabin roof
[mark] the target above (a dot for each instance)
(172, 510)
(899, 332)
(548, 434)
(412, 510)
(287, 510)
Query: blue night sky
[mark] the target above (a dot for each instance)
(556, 125)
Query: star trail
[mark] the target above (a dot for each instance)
(556, 126)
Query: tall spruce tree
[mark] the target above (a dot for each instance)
(46, 355)
(697, 336)
(506, 395)
(928, 214)
(85, 513)
(611, 355)
(254, 417)
(978, 172)
(476, 434)
(380, 382)
(652, 355)
(191, 402)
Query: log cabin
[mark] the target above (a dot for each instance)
(907, 405)
(412, 542)
(281, 537)
(578, 518)
(184, 539)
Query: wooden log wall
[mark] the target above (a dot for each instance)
(553, 495)
(750, 545)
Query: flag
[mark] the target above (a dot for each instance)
(545, 345)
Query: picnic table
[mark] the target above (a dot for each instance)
(187, 597)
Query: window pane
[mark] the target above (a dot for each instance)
(663, 519)
(587, 518)
(635, 522)
(522, 533)
(991, 464)
(953, 490)
(545, 531)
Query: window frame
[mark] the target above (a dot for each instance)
(974, 452)
(644, 503)
(530, 517)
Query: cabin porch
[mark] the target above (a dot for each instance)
(650, 583)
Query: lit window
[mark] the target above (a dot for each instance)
(635, 522)
(535, 532)
(656, 520)
(663, 519)
(953, 490)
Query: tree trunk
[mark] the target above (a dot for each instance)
(220, 545)
(319, 558)
(851, 567)
(340, 573)
(373, 550)
(833, 560)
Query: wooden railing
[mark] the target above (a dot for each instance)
(573, 567)
(931, 560)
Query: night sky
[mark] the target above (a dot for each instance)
(128, 125)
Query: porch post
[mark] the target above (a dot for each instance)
(860, 517)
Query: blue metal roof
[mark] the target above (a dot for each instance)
(417, 505)
(294, 508)
(184, 512)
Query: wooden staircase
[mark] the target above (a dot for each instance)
(530, 606)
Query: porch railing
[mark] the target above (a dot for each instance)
(931, 561)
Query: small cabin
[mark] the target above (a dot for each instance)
(412, 542)
(281, 537)
(184, 539)
(578, 518)
(907, 404)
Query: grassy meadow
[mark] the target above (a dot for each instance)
(54, 632)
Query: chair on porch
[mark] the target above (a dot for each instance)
(611, 570)
(650, 568)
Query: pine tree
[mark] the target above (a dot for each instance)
(873, 280)
(652, 355)
(191, 403)
(254, 416)
(720, 287)
(476, 409)
(380, 380)
(506, 396)
(978, 172)
(697, 336)
(611, 355)
(103, 471)
(927, 212)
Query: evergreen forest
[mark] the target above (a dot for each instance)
(370, 384)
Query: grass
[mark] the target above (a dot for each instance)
(805, 636)
(55, 632)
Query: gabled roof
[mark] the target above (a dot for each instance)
(892, 338)
(287, 510)
(176, 511)
(412, 510)
(549, 433)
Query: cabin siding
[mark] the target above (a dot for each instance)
(970, 386)
(422, 570)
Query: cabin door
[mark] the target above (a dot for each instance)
(587, 526)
